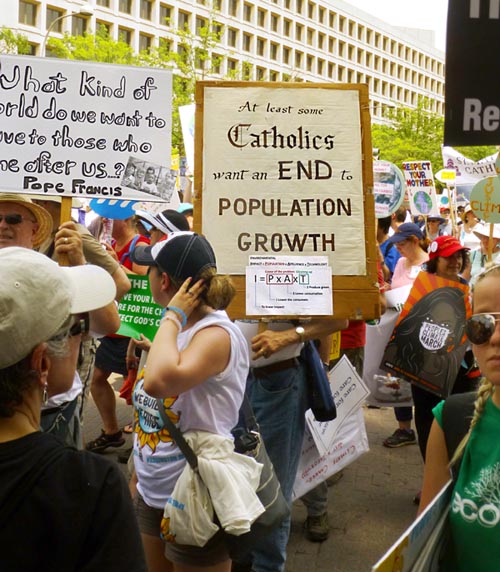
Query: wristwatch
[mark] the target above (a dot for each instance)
(299, 330)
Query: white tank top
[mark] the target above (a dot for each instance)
(211, 406)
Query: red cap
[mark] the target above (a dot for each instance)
(445, 246)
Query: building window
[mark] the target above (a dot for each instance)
(261, 46)
(145, 42)
(200, 23)
(165, 14)
(310, 10)
(232, 37)
(287, 27)
(247, 42)
(331, 45)
(104, 3)
(78, 25)
(261, 17)
(232, 65)
(183, 20)
(104, 26)
(165, 44)
(260, 74)
(273, 52)
(310, 63)
(321, 67)
(310, 36)
(146, 9)
(27, 13)
(321, 15)
(247, 12)
(298, 6)
(52, 16)
(273, 76)
(233, 7)
(331, 20)
(321, 41)
(216, 63)
(286, 55)
(274, 22)
(125, 35)
(298, 59)
(331, 70)
(125, 6)
(298, 32)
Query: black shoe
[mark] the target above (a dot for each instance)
(104, 441)
(317, 528)
(400, 438)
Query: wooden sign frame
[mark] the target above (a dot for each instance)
(354, 297)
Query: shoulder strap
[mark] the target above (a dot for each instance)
(458, 410)
(176, 435)
(126, 255)
(387, 248)
(22, 490)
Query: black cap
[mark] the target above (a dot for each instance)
(181, 255)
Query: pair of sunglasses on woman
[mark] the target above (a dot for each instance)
(480, 327)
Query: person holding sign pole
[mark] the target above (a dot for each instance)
(474, 514)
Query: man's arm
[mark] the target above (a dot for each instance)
(269, 342)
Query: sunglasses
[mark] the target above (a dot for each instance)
(480, 327)
(14, 219)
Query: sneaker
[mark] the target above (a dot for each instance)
(104, 441)
(317, 528)
(401, 437)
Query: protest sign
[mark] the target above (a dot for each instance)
(284, 285)
(420, 185)
(419, 547)
(349, 393)
(139, 314)
(388, 188)
(466, 170)
(314, 468)
(69, 127)
(472, 106)
(282, 173)
(428, 342)
(485, 199)
(386, 390)
(186, 115)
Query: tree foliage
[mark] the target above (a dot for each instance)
(98, 47)
(417, 135)
(13, 43)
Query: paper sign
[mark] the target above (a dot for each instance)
(282, 175)
(420, 186)
(139, 314)
(485, 199)
(289, 285)
(150, 178)
(388, 188)
(349, 393)
(314, 468)
(68, 127)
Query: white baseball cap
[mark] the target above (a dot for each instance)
(37, 296)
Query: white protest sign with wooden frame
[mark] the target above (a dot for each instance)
(286, 169)
(68, 128)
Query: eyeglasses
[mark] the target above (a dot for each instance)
(81, 326)
(480, 327)
(14, 219)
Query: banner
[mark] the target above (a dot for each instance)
(428, 342)
(139, 314)
(282, 174)
(69, 127)
(468, 171)
(472, 103)
(388, 188)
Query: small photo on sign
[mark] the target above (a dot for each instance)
(149, 178)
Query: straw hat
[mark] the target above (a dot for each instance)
(42, 216)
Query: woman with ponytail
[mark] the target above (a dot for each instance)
(197, 366)
(475, 504)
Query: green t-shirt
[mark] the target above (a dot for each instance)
(475, 505)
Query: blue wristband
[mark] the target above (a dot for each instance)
(180, 312)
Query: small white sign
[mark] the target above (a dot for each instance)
(349, 393)
(289, 285)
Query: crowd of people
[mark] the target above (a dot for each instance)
(59, 342)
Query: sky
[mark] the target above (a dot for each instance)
(426, 14)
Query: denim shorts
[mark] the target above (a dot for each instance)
(214, 551)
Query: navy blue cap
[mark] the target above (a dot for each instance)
(406, 230)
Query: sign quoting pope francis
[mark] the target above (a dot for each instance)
(282, 173)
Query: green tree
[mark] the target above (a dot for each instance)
(195, 59)
(98, 47)
(13, 43)
(417, 134)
